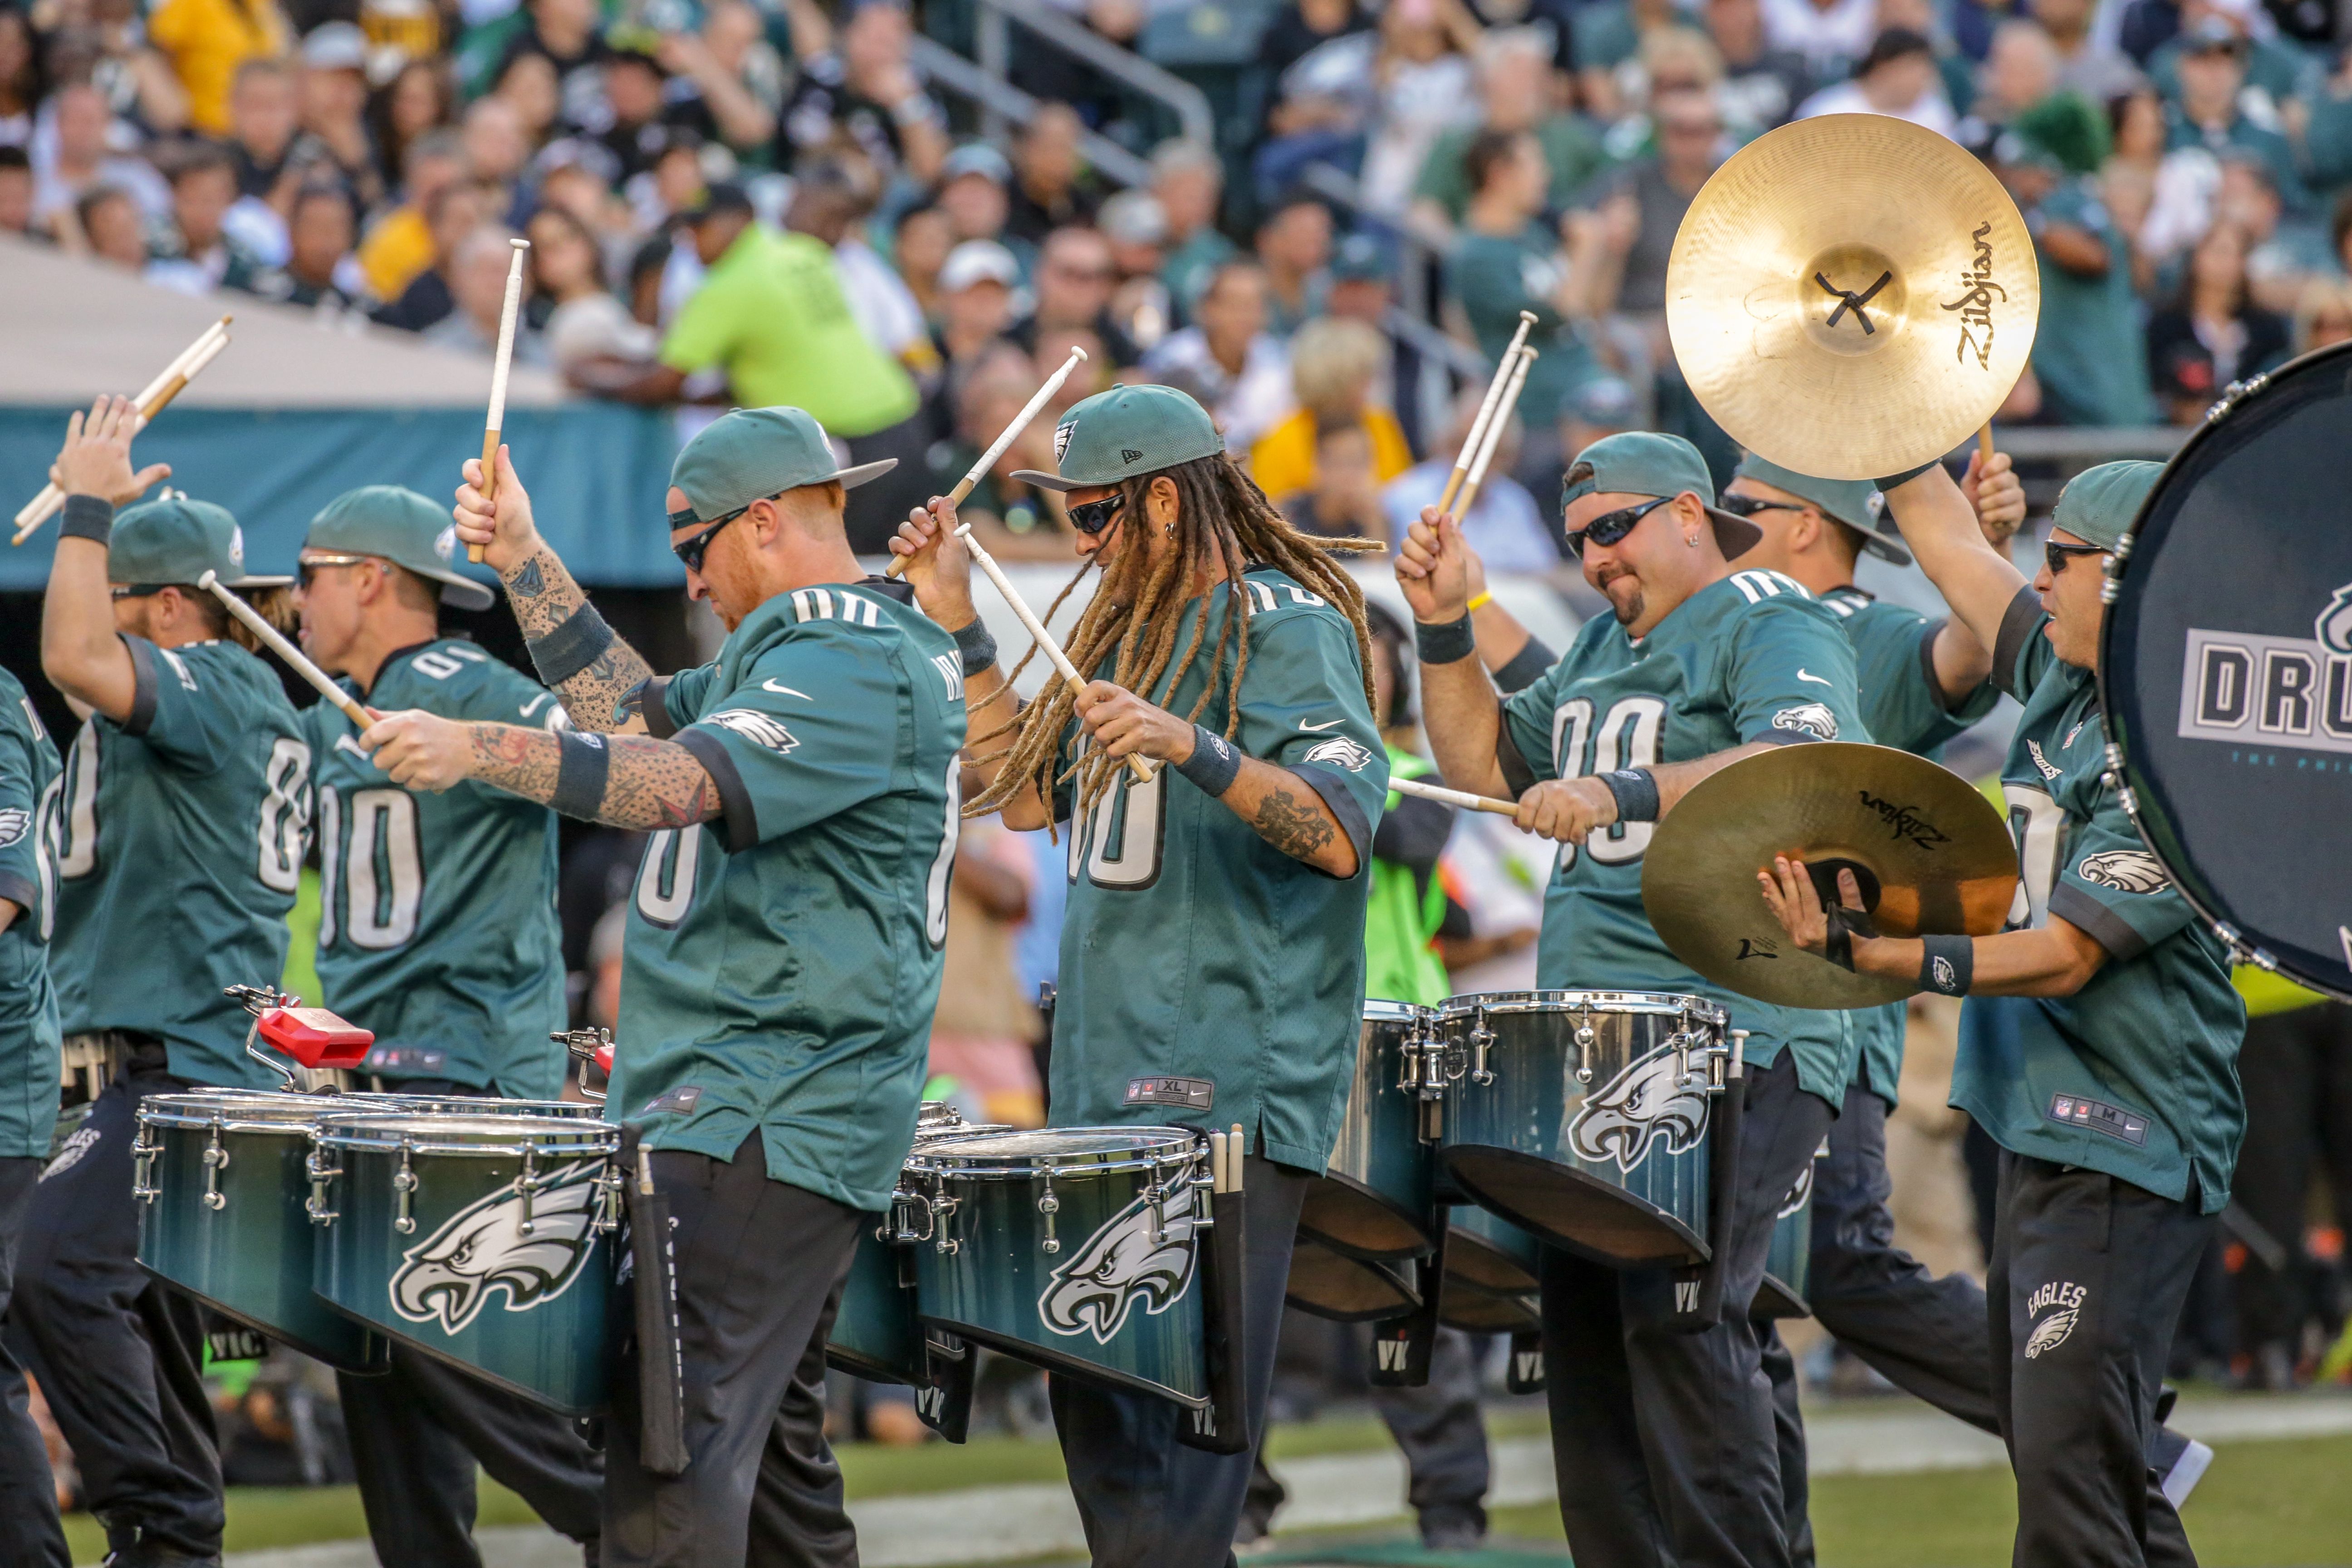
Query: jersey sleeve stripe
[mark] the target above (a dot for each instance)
(1517, 777)
(655, 706)
(142, 717)
(2019, 622)
(734, 800)
(2106, 927)
(20, 890)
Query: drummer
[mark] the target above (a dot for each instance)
(2118, 1110)
(1212, 961)
(1663, 1438)
(781, 958)
(439, 935)
(181, 848)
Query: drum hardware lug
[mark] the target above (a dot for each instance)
(1049, 1205)
(608, 1200)
(1585, 1036)
(2111, 589)
(215, 1159)
(942, 1209)
(1154, 1195)
(1203, 1208)
(527, 1186)
(2235, 940)
(2263, 959)
(142, 1162)
(403, 1182)
(320, 1174)
(903, 1205)
(1482, 1039)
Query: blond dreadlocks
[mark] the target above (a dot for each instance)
(1222, 518)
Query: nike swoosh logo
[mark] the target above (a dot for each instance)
(351, 744)
(786, 690)
(1816, 679)
(1318, 729)
(532, 706)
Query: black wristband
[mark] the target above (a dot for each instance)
(86, 517)
(571, 646)
(1636, 789)
(580, 775)
(977, 646)
(1444, 642)
(1213, 763)
(1905, 477)
(1946, 964)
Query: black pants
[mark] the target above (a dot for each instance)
(2086, 1281)
(30, 1535)
(119, 1356)
(759, 1266)
(1664, 1443)
(2297, 1072)
(1146, 1500)
(1443, 1434)
(878, 507)
(1789, 1443)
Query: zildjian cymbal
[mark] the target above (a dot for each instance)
(1931, 854)
(1852, 296)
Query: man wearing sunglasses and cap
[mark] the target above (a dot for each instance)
(1663, 1426)
(2116, 1105)
(179, 847)
(782, 952)
(438, 932)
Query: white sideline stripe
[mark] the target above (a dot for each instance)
(1005, 1524)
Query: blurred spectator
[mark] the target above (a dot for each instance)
(829, 202)
(76, 155)
(2211, 333)
(1294, 246)
(1137, 227)
(2089, 356)
(973, 193)
(2324, 315)
(1074, 284)
(399, 248)
(457, 209)
(1093, 374)
(498, 148)
(320, 272)
(1897, 78)
(1051, 186)
(974, 307)
(2097, 70)
(1603, 406)
(107, 44)
(112, 226)
(332, 93)
(1644, 205)
(193, 252)
(2267, 62)
(1363, 289)
(20, 77)
(1189, 181)
(2127, 180)
(642, 114)
(1013, 519)
(565, 31)
(1301, 25)
(981, 1033)
(206, 40)
(1608, 39)
(1424, 82)
(1336, 367)
(866, 95)
(1831, 35)
(1517, 90)
(1227, 359)
(588, 321)
(262, 118)
(730, 76)
(1761, 85)
(1508, 261)
(1506, 528)
(2147, 25)
(15, 190)
(528, 85)
(1343, 499)
(2211, 65)
(477, 280)
(920, 244)
(415, 100)
(2280, 257)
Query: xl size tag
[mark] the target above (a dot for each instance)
(681, 1100)
(405, 1061)
(1184, 1093)
(2097, 1115)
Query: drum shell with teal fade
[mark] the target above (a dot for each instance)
(876, 1334)
(1107, 1304)
(1789, 1266)
(533, 1312)
(249, 1258)
(1375, 1199)
(1614, 1167)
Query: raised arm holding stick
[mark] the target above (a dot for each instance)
(152, 400)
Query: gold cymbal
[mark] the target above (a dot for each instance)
(1932, 855)
(1852, 296)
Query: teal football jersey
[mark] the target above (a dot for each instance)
(782, 961)
(1206, 977)
(1751, 658)
(2137, 1073)
(30, 788)
(182, 834)
(1903, 704)
(437, 927)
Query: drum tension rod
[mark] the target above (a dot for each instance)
(322, 1174)
(1049, 1205)
(527, 1186)
(1585, 1036)
(215, 1160)
(403, 1182)
(1482, 1039)
(142, 1165)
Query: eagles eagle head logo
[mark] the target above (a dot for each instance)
(2125, 870)
(448, 1279)
(1647, 1104)
(1120, 1266)
(1799, 1196)
(15, 822)
(755, 727)
(2050, 1332)
(1813, 719)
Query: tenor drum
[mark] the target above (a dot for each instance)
(1073, 1248)
(221, 1181)
(876, 1334)
(479, 1240)
(477, 1105)
(1374, 1201)
(1583, 1116)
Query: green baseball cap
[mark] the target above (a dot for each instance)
(404, 528)
(1854, 502)
(1126, 432)
(2098, 505)
(753, 453)
(1646, 463)
(176, 541)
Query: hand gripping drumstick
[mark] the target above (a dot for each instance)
(493, 426)
(987, 459)
(1493, 433)
(294, 657)
(1485, 411)
(1045, 639)
(152, 400)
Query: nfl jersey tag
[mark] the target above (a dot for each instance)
(1185, 1093)
(410, 1061)
(681, 1098)
(2112, 1120)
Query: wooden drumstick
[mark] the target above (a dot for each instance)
(295, 658)
(495, 426)
(1463, 799)
(1045, 639)
(1493, 435)
(1462, 459)
(1984, 443)
(1036, 405)
(152, 400)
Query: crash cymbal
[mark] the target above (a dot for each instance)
(1852, 296)
(1932, 855)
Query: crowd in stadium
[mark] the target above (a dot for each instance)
(706, 184)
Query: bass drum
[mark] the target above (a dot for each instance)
(876, 1332)
(2225, 672)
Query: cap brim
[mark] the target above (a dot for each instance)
(1054, 482)
(251, 582)
(459, 589)
(1734, 535)
(849, 478)
(1884, 547)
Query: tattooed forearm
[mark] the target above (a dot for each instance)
(516, 760)
(1284, 811)
(1299, 830)
(544, 597)
(651, 784)
(543, 593)
(593, 696)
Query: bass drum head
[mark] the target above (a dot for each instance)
(2225, 670)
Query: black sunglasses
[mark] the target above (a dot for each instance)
(2053, 555)
(690, 550)
(1092, 517)
(1749, 506)
(1611, 526)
